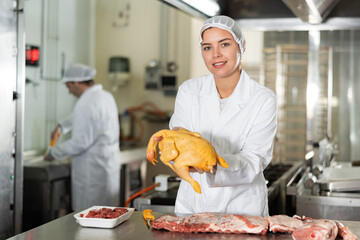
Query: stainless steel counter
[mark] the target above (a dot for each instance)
(135, 228)
(132, 155)
(47, 185)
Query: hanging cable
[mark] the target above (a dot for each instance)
(146, 107)
(141, 192)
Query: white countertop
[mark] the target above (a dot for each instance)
(133, 155)
(126, 156)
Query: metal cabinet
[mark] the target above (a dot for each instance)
(47, 191)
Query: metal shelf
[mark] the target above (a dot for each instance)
(285, 71)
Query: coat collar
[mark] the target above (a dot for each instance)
(209, 99)
(237, 100)
(240, 95)
(91, 89)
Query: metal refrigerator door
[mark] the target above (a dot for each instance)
(7, 117)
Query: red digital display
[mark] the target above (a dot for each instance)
(32, 55)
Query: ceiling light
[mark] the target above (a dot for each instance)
(200, 8)
(209, 7)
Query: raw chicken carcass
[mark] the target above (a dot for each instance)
(186, 149)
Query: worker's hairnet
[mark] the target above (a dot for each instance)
(78, 73)
(227, 24)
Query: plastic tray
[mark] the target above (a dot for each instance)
(102, 222)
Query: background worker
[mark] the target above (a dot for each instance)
(94, 143)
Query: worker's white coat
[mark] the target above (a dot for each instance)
(94, 149)
(242, 133)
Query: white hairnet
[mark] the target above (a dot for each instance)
(228, 24)
(78, 73)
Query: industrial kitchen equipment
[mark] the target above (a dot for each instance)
(333, 199)
(327, 189)
(162, 199)
(132, 172)
(47, 193)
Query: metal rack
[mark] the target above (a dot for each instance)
(285, 71)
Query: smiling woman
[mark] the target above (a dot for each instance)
(222, 46)
(237, 116)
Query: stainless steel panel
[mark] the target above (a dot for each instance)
(8, 50)
(340, 172)
(313, 89)
(157, 208)
(341, 186)
(312, 202)
(19, 121)
(340, 208)
(291, 186)
(281, 17)
(132, 178)
(312, 11)
(295, 24)
(330, 94)
(140, 202)
(341, 194)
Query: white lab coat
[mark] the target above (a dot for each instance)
(94, 149)
(242, 133)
